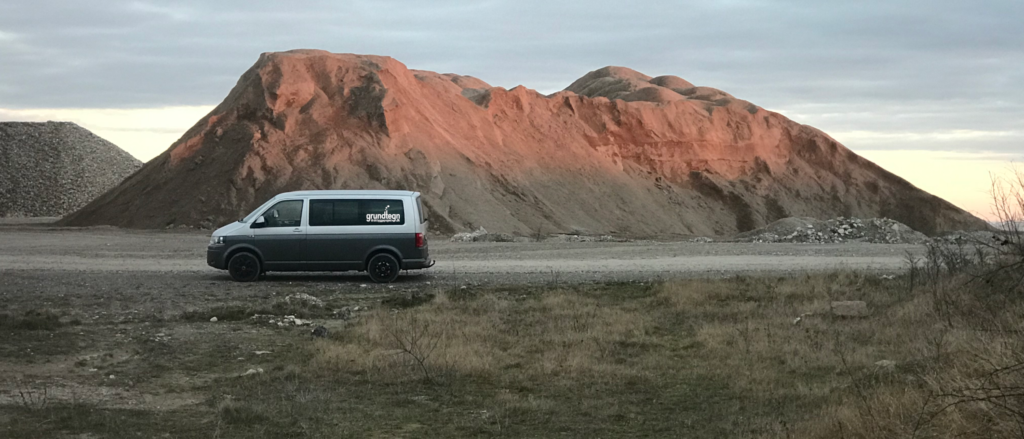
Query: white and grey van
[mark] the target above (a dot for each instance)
(380, 232)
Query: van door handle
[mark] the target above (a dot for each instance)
(297, 230)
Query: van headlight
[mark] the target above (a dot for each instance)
(214, 240)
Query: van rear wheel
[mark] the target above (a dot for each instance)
(383, 268)
(244, 267)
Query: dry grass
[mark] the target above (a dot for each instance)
(819, 377)
(683, 358)
(560, 333)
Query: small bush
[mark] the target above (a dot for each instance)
(237, 413)
(32, 320)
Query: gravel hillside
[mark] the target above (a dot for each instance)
(618, 153)
(53, 168)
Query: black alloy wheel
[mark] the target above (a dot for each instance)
(383, 268)
(244, 267)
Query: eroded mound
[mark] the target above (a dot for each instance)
(684, 161)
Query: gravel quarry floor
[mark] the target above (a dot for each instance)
(180, 255)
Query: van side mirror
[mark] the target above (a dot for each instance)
(259, 223)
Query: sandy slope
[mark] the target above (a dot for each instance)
(617, 152)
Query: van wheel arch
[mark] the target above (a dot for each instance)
(233, 252)
(394, 254)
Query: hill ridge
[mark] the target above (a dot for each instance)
(633, 157)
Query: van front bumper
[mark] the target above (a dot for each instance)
(215, 256)
(417, 264)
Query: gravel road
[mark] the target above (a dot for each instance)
(40, 247)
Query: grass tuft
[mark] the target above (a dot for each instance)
(32, 320)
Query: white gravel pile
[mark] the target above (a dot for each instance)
(837, 230)
(481, 235)
(54, 168)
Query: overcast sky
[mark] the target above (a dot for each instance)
(898, 81)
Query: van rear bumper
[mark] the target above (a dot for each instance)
(417, 264)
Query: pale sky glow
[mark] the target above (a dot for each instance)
(932, 91)
(143, 132)
(963, 179)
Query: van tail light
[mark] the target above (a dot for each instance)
(420, 240)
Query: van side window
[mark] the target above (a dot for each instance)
(334, 212)
(284, 214)
(356, 212)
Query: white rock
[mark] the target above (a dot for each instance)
(213, 319)
(886, 365)
(303, 297)
(261, 352)
(252, 372)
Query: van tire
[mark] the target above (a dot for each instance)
(383, 268)
(244, 267)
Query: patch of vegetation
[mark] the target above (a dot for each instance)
(90, 420)
(238, 312)
(737, 357)
(33, 320)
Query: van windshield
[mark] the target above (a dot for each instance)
(254, 212)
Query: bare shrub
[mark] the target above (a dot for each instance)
(418, 340)
(1008, 246)
(968, 374)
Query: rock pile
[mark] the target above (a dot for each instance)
(837, 230)
(481, 235)
(54, 168)
(617, 152)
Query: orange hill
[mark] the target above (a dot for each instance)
(617, 151)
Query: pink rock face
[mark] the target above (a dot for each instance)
(617, 151)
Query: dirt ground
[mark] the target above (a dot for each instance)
(34, 247)
(102, 321)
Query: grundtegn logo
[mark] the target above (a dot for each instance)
(384, 217)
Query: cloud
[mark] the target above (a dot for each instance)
(175, 13)
(11, 44)
(876, 74)
(959, 136)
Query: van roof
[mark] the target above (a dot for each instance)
(348, 192)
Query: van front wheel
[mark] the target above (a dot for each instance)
(383, 268)
(244, 267)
